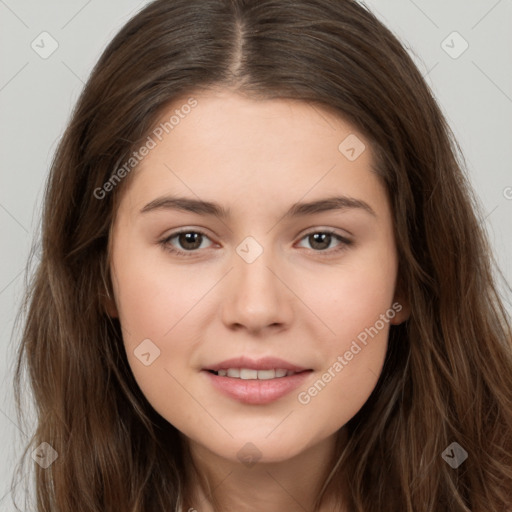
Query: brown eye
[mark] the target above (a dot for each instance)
(320, 241)
(188, 242)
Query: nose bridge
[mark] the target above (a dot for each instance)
(254, 279)
(256, 297)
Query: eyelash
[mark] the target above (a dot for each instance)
(165, 243)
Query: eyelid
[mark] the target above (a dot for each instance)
(331, 231)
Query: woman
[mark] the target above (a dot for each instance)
(259, 370)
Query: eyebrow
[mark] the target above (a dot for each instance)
(297, 209)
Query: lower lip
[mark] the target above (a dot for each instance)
(255, 391)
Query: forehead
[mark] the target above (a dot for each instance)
(228, 121)
(234, 147)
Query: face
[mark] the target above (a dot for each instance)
(266, 320)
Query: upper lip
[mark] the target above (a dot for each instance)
(265, 363)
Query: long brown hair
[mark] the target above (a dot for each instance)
(448, 371)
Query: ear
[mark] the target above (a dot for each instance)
(401, 305)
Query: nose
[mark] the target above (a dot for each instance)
(257, 297)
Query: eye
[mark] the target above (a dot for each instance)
(321, 240)
(189, 240)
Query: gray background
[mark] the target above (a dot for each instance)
(474, 91)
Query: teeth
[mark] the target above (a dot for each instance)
(266, 374)
(250, 374)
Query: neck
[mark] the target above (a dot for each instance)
(219, 484)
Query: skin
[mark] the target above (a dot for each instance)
(299, 300)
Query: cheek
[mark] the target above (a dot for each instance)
(155, 316)
(351, 298)
(352, 361)
(356, 303)
(155, 304)
(151, 296)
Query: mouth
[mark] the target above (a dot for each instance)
(245, 368)
(256, 382)
(252, 374)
